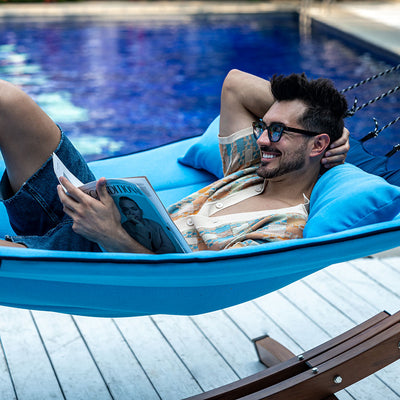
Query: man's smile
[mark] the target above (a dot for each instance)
(269, 154)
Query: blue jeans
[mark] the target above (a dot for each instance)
(35, 211)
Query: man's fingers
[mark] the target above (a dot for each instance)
(67, 201)
(101, 189)
(72, 191)
(338, 152)
(333, 160)
(343, 140)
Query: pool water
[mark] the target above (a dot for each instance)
(121, 87)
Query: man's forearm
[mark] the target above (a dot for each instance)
(244, 98)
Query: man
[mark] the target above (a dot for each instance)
(77, 222)
(262, 200)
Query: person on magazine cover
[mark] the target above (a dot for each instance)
(146, 231)
(268, 179)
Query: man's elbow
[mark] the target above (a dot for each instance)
(232, 84)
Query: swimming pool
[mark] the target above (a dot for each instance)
(120, 87)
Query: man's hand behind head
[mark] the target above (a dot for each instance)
(337, 151)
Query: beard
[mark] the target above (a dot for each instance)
(289, 162)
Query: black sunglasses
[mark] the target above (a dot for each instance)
(275, 130)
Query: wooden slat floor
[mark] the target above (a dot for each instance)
(54, 356)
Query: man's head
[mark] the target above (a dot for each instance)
(297, 129)
(130, 209)
(325, 106)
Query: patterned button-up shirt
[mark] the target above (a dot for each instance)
(194, 214)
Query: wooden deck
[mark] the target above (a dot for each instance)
(55, 356)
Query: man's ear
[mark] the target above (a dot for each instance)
(319, 144)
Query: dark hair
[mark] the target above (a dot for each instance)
(326, 106)
(122, 198)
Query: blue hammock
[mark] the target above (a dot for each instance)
(353, 214)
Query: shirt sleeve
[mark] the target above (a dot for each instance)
(238, 151)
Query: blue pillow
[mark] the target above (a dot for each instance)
(347, 197)
(204, 154)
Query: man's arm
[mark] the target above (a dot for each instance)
(98, 220)
(244, 98)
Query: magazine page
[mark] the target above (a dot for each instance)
(143, 215)
(61, 170)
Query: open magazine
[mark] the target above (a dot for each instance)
(143, 215)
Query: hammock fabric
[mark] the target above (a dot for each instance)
(353, 214)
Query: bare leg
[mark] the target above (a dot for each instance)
(6, 243)
(27, 135)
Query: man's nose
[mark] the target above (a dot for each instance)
(264, 140)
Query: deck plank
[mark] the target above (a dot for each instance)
(230, 341)
(75, 368)
(6, 384)
(116, 361)
(328, 318)
(30, 367)
(294, 322)
(193, 348)
(357, 281)
(255, 323)
(168, 374)
(393, 262)
(340, 296)
(381, 273)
